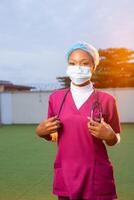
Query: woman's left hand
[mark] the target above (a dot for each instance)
(102, 131)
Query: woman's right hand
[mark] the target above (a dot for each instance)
(48, 126)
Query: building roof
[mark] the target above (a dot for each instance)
(10, 86)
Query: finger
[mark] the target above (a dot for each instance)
(56, 122)
(93, 128)
(89, 118)
(94, 134)
(102, 121)
(89, 124)
(94, 123)
(54, 128)
(51, 119)
(51, 124)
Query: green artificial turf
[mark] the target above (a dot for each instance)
(26, 164)
(122, 157)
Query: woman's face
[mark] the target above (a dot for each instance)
(81, 58)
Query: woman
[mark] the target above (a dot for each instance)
(85, 120)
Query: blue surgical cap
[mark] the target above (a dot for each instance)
(85, 47)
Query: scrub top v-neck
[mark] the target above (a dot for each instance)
(82, 168)
(85, 104)
(81, 94)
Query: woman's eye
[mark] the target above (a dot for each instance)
(85, 63)
(71, 63)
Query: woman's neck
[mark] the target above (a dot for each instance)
(86, 88)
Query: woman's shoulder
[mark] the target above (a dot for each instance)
(105, 95)
(58, 93)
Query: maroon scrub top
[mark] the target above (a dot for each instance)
(82, 168)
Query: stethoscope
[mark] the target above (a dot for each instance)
(95, 106)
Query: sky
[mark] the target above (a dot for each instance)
(35, 34)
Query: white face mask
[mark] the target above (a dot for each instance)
(79, 74)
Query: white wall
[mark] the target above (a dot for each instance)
(31, 107)
(6, 108)
(125, 102)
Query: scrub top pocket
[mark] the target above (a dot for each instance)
(104, 180)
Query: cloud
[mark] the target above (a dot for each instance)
(35, 35)
(30, 66)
